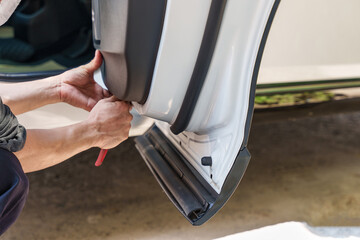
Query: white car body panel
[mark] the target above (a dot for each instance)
(313, 40)
(217, 127)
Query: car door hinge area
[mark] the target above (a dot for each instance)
(175, 176)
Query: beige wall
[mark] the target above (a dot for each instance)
(313, 39)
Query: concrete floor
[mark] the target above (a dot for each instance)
(305, 167)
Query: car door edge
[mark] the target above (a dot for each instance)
(214, 201)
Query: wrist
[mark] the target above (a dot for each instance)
(88, 132)
(53, 89)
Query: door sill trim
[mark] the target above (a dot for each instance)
(184, 186)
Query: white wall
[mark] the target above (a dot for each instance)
(313, 39)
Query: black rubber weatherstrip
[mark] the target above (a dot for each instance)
(28, 76)
(242, 160)
(215, 201)
(256, 72)
(202, 65)
(181, 193)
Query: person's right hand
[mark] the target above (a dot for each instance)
(110, 122)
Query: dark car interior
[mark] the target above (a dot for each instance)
(45, 35)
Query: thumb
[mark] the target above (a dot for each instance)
(110, 99)
(95, 63)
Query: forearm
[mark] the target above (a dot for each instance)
(23, 97)
(107, 126)
(46, 148)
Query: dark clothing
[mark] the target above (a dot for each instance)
(14, 185)
(12, 134)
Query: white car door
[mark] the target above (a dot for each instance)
(192, 66)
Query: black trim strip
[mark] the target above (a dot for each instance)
(242, 160)
(176, 188)
(28, 76)
(304, 83)
(143, 36)
(184, 187)
(256, 73)
(202, 65)
(144, 29)
(169, 155)
(305, 88)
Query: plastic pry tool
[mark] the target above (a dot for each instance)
(101, 157)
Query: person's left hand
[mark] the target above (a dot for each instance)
(78, 88)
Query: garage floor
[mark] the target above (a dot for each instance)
(305, 167)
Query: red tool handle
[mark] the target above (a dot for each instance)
(101, 157)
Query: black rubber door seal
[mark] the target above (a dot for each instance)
(202, 65)
(186, 188)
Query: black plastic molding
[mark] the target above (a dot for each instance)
(202, 65)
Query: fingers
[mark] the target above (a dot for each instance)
(130, 118)
(111, 99)
(95, 63)
(82, 101)
(99, 92)
(106, 93)
(112, 120)
(130, 106)
(124, 105)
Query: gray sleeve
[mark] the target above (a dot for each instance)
(12, 134)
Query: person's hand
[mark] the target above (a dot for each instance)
(78, 88)
(110, 122)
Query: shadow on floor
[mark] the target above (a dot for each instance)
(304, 168)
